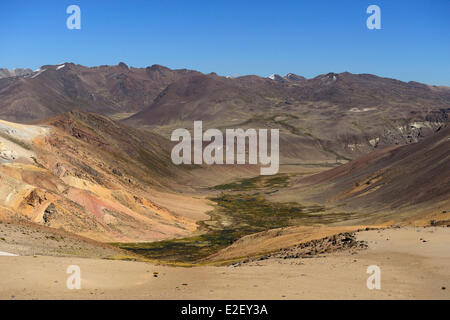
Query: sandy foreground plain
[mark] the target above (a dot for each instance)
(414, 262)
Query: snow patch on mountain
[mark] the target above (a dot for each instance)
(39, 71)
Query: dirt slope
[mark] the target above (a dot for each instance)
(418, 271)
(96, 178)
(406, 181)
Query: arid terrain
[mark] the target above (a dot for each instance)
(411, 268)
(86, 179)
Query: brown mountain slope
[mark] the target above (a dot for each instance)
(209, 97)
(204, 97)
(399, 185)
(335, 115)
(55, 89)
(137, 149)
(94, 177)
(414, 179)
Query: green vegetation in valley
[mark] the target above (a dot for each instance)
(241, 209)
(256, 183)
(235, 216)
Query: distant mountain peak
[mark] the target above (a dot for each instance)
(276, 77)
(123, 65)
(294, 77)
(290, 77)
(329, 78)
(157, 67)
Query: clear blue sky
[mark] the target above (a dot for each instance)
(235, 37)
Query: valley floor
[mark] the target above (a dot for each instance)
(414, 263)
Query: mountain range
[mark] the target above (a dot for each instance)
(334, 116)
(87, 150)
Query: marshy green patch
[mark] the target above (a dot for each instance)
(235, 216)
(260, 182)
